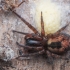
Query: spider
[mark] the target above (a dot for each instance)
(37, 43)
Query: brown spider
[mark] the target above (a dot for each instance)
(36, 43)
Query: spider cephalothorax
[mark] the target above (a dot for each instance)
(37, 43)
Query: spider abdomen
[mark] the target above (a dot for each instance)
(55, 45)
(59, 44)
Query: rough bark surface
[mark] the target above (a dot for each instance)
(9, 22)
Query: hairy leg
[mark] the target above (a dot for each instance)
(20, 32)
(61, 29)
(32, 54)
(30, 49)
(27, 23)
(24, 46)
(42, 26)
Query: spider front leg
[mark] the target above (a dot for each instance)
(42, 26)
(31, 51)
(32, 54)
(19, 32)
(33, 42)
(27, 23)
(30, 47)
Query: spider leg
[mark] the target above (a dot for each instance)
(61, 29)
(32, 54)
(29, 47)
(27, 23)
(42, 26)
(20, 32)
